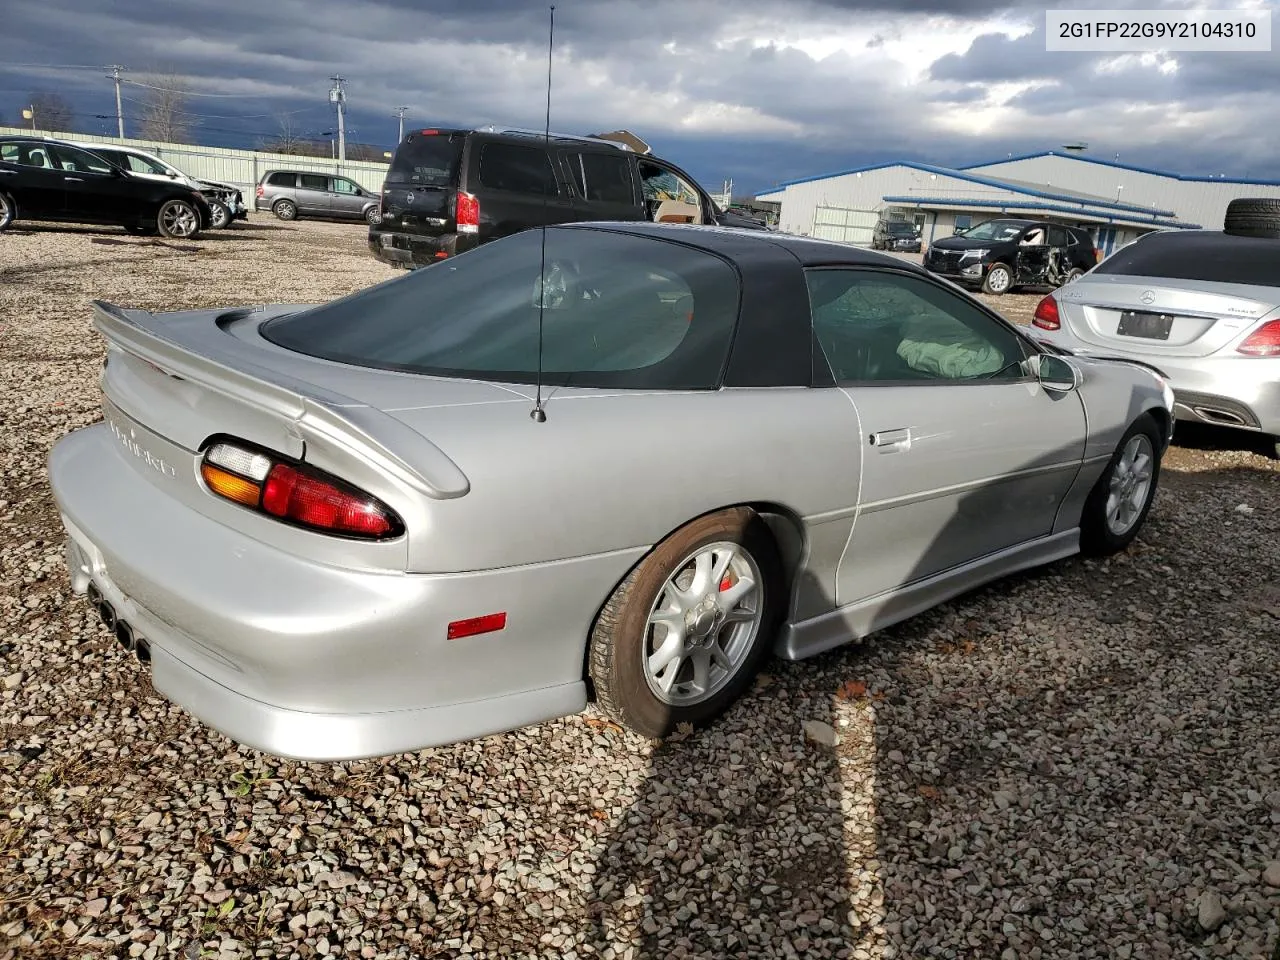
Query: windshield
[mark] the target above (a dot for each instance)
(996, 230)
(428, 159)
(900, 229)
(143, 165)
(1212, 257)
(617, 311)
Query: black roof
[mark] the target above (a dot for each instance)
(729, 241)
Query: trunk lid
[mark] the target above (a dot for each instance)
(1205, 316)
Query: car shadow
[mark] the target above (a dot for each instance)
(1208, 438)
(945, 819)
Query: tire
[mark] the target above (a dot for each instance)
(219, 215)
(1003, 283)
(1250, 217)
(1099, 536)
(625, 637)
(178, 220)
(285, 209)
(372, 217)
(1073, 275)
(8, 209)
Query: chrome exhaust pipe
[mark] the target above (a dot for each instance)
(107, 615)
(95, 596)
(143, 649)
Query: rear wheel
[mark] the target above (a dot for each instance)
(285, 210)
(372, 216)
(1075, 274)
(682, 636)
(178, 220)
(998, 280)
(6, 211)
(1121, 499)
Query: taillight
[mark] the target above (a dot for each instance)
(468, 215)
(260, 190)
(295, 493)
(1263, 342)
(1097, 255)
(1046, 315)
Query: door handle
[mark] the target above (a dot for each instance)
(9, 173)
(892, 440)
(74, 179)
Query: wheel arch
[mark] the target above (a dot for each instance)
(786, 529)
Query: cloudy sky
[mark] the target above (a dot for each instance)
(754, 90)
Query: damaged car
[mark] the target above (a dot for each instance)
(1003, 254)
(226, 202)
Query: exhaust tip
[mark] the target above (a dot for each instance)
(107, 615)
(143, 649)
(95, 596)
(124, 634)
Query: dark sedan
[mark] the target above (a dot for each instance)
(44, 179)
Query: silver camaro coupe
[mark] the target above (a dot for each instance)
(613, 461)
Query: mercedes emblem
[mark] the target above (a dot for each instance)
(1148, 296)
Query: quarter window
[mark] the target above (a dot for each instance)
(879, 327)
(283, 179)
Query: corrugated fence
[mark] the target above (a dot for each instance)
(242, 167)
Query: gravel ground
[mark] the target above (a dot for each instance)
(1079, 762)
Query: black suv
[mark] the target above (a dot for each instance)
(447, 191)
(999, 255)
(45, 179)
(895, 235)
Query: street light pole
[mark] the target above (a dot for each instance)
(400, 111)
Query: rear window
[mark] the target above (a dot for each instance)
(1213, 257)
(618, 311)
(282, 179)
(429, 159)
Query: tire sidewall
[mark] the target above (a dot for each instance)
(625, 682)
(1096, 538)
(8, 211)
(986, 281)
(285, 210)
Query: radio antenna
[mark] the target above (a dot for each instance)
(538, 414)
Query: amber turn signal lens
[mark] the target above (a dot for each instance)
(228, 485)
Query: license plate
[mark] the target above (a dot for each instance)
(1149, 326)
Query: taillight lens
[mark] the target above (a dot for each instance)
(260, 190)
(1263, 342)
(468, 216)
(295, 493)
(1046, 315)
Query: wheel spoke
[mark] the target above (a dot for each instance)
(729, 599)
(702, 567)
(670, 652)
(738, 615)
(701, 659)
(721, 567)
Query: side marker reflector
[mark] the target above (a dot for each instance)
(489, 623)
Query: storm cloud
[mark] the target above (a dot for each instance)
(753, 91)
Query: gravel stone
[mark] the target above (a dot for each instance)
(1057, 766)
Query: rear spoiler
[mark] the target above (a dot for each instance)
(375, 435)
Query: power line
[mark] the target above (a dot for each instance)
(187, 93)
(52, 66)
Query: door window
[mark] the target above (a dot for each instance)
(314, 181)
(601, 178)
(667, 196)
(343, 186)
(75, 160)
(520, 169)
(1057, 237)
(878, 327)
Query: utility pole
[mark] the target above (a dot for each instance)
(115, 75)
(400, 112)
(338, 96)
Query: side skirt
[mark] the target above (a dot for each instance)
(808, 638)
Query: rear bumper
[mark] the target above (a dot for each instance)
(304, 660)
(412, 250)
(1241, 392)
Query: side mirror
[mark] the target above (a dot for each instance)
(1055, 374)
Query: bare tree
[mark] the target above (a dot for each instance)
(52, 111)
(289, 141)
(164, 107)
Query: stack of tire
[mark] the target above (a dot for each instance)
(1253, 217)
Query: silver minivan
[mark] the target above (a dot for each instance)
(290, 194)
